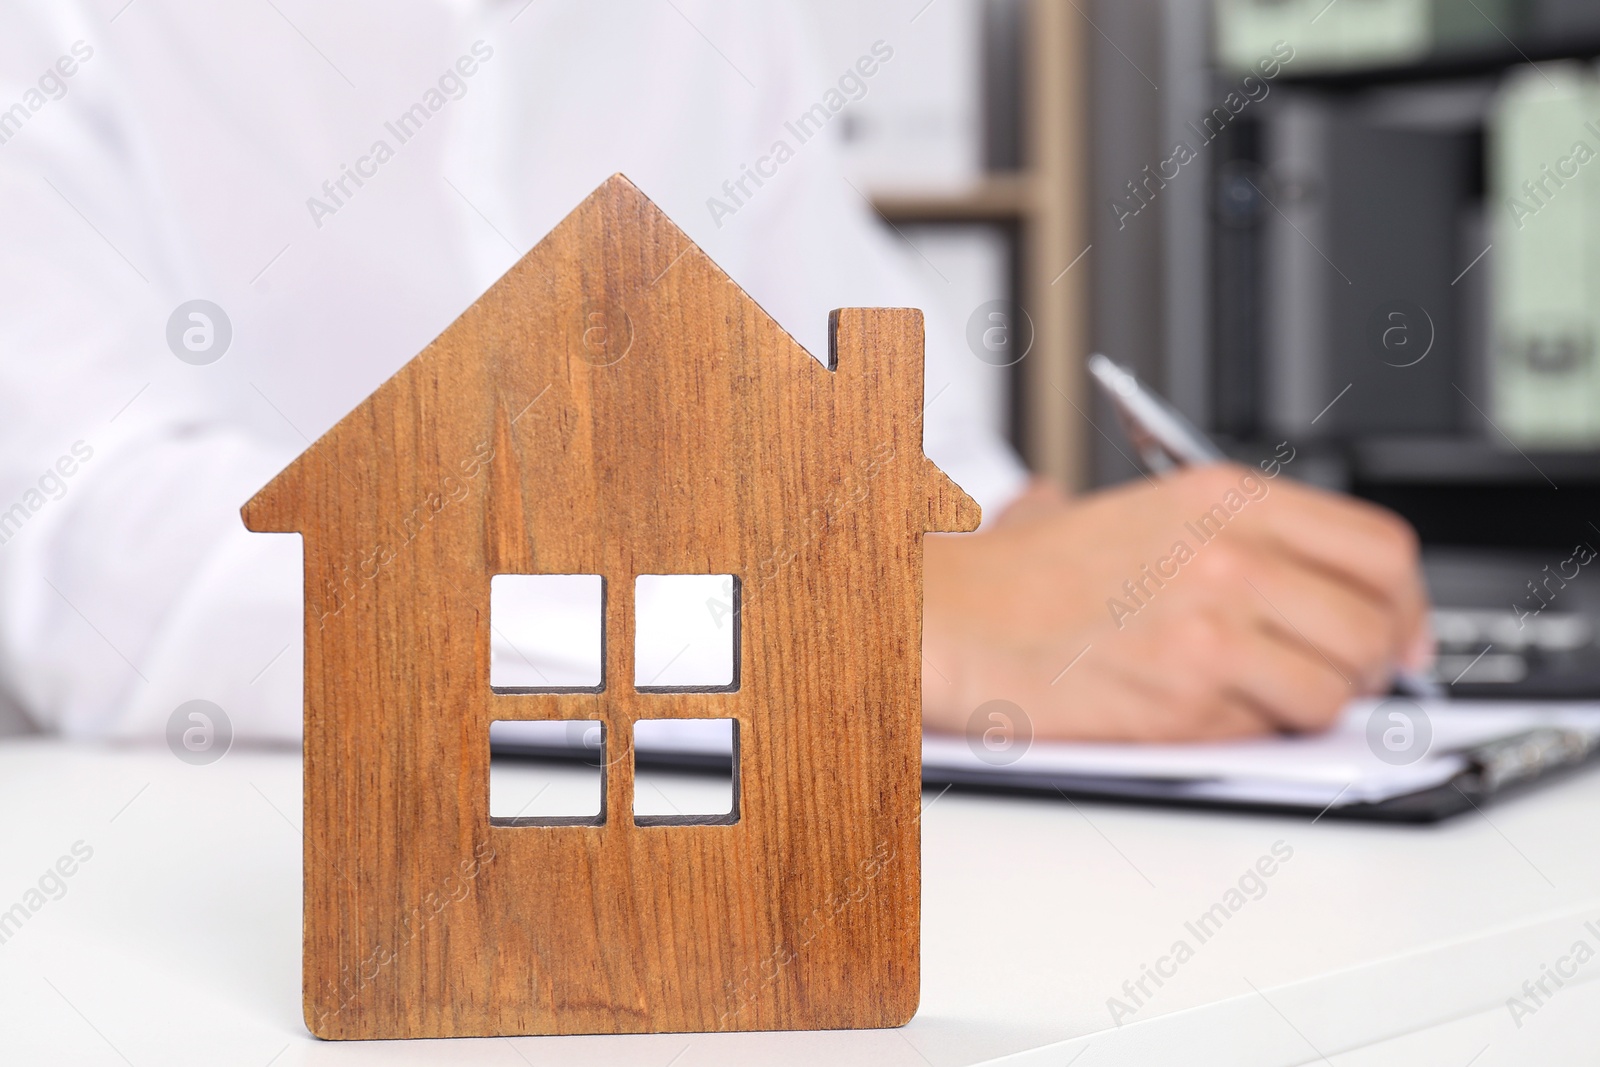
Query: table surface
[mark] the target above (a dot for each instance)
(177, 939)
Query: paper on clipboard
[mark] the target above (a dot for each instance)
(1337, 768)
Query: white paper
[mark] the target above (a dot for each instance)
(1337, 767)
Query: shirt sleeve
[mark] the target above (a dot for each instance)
(127, 582)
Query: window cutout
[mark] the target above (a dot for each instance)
(527, 790)
(665, 792)
(547, 632)
(687, 633)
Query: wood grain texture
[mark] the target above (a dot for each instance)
(616, 405)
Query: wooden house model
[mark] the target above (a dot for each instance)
(616, 406)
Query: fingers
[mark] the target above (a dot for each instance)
(1131, 694)
(1227, 662)
(1353, 542)
(1286, 681)
(1351, 632)
(1354, 545)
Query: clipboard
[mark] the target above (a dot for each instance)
(1498, 770)
(1478, 753)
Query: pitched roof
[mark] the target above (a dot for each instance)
(615, 280)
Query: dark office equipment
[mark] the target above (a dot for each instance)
(1344, 250)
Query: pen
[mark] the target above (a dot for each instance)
(1166, 441)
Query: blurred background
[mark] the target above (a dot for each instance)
(1364, 233)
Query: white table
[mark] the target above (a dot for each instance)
(178, 940)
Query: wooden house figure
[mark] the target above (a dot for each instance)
(616, 406)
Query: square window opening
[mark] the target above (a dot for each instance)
(547, 633)
(686, 635)
(547, 773)
(686, 772)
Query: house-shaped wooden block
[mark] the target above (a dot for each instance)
(616, 406)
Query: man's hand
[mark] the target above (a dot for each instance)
(1217, 603)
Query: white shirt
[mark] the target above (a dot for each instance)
(186, 157)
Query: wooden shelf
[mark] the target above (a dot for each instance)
(994, 198)
(1470, 461)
